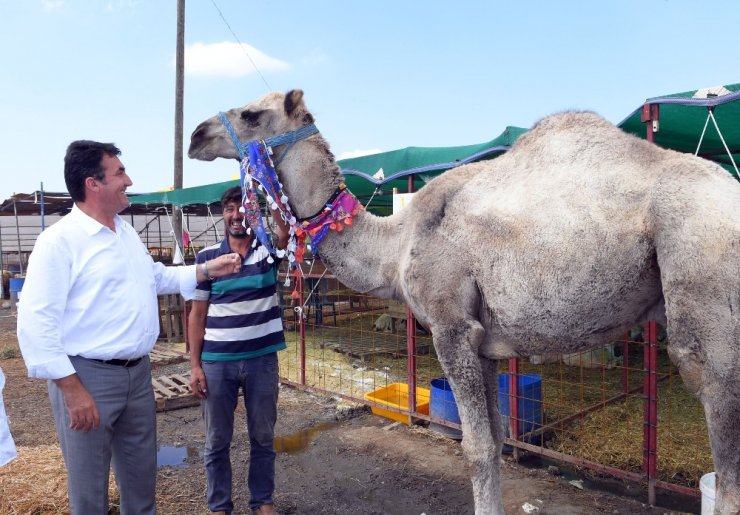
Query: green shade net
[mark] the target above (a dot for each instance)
(682, 119)
(423, 163)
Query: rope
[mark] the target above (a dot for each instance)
(174, 238)
(377, 189)
(727, 149)
(704, 130)
(241, 45)
(721, 138)
(213, 224)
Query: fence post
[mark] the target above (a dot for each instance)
(411, 361)
(625, 364)
(302, 328)
(650, 408)
(514, 404)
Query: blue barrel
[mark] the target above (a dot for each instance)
(16, 284)
(530, 401)
(15, 287)
(442, 405)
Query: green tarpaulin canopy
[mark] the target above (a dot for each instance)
(682, 119)
(683, 116)
(422, 162)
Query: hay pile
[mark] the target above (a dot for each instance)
(36, 483)
(613, 437)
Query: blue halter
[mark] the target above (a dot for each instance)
(290, 138)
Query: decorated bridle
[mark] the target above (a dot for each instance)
(258, 175)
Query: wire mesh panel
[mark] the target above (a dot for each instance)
(593, 409)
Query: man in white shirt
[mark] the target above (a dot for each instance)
(7, 446)
(87, 321)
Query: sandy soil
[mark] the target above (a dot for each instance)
(333, 458)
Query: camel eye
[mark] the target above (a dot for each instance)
(251, 117)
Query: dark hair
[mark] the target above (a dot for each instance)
(233, 194)
(84, 159)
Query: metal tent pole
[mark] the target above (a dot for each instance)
(411, 343)
(18, 235)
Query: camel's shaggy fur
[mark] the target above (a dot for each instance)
(563, 243)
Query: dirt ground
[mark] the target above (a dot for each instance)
(333, 458)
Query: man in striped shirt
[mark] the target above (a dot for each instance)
(235, 330)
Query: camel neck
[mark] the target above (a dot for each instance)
(365, 256)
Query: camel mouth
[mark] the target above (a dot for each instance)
(200, 154)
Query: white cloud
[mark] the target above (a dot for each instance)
(358, 153)
(228, 59)
(52, 5)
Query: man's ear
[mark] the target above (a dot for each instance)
(91, 184)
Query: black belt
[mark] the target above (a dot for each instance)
(119, 362)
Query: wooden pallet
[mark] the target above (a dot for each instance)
(364, 347)
(166, 355)
(173, 392)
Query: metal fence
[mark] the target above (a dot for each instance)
(620, 410)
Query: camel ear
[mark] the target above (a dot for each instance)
(293, 100)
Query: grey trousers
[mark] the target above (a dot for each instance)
(127, 438)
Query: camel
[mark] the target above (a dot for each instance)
(560, 245)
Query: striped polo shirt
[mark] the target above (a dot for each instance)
(244, 319)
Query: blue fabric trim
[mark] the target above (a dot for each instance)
(234, 356)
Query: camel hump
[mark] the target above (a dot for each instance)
(571, 120)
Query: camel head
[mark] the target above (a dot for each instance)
(307, 169)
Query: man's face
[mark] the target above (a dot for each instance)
(112, 187)
(234, 219)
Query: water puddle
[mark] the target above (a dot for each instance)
(636, 491)
(169, 456)
(298, 442)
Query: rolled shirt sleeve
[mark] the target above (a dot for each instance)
(40, 311)
(175, 279)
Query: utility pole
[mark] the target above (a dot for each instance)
(179, 89)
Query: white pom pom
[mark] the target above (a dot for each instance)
(254, 244)
(292, 220)
(284, 199)
(249, 230)
(291, 258)
(268, 198)
(269, 259)
(280, 253)
(273, 205)
(242, 209)
(287, 281)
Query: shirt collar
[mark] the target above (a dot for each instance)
(226, 248)
(89, 224)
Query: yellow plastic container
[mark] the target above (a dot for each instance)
(396, 395)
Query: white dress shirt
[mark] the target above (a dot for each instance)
(7, 447)
(92, 292)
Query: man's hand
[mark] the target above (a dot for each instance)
(83, 413)
(224, 265)
(198, 382)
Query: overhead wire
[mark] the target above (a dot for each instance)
(241, 45)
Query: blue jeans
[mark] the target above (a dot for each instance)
(258, 378)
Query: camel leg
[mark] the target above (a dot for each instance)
(708, 357)
(457, 348)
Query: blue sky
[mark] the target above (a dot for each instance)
(377, 75)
